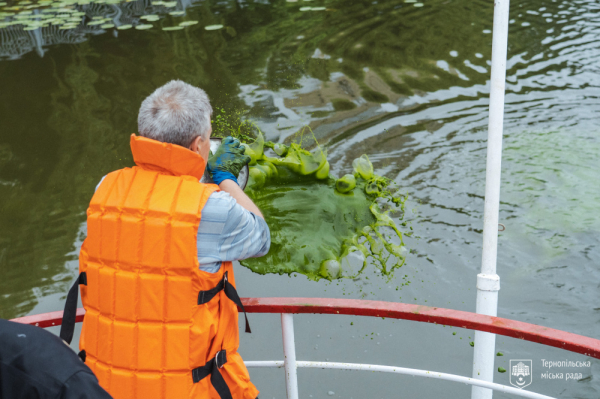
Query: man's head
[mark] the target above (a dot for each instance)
(177, 113)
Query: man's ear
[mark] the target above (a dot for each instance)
(195, 146)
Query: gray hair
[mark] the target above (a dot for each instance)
(175, 113)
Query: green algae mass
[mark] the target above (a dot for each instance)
(315, 229)
(345, 184)
(363, 167)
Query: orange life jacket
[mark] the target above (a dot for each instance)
(145, 335)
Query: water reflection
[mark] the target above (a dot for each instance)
(36, 26)
(406, 85)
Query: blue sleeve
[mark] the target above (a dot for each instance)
(101, 180)
(228, 232)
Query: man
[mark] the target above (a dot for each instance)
(36, 364)
(156, 275)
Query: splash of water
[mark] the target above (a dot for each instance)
(322, 227)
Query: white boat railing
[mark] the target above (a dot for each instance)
(291, 365)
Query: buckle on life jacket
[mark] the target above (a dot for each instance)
(221, 358)
(230, 292)
(216, 379)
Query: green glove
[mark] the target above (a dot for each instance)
(228, 161)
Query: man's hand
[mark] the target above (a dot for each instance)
(228, 161)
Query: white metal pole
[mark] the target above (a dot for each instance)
(488, 282)
(289, 353)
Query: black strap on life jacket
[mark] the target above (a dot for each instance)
(206, 296)
(67, 327)
(216, 379)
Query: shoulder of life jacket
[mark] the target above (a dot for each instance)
(155, 324)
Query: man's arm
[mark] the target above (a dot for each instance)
(229, 232)
(240, 196)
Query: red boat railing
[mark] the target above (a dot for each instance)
(448, 317)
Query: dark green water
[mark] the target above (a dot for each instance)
(408, 86)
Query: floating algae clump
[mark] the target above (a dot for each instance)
(320, 227)
(363, 167)
(345, 184)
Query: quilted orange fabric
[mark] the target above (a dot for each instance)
(143, 331)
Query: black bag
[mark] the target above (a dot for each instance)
(36, 364)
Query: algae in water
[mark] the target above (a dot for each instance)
(322, 227)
